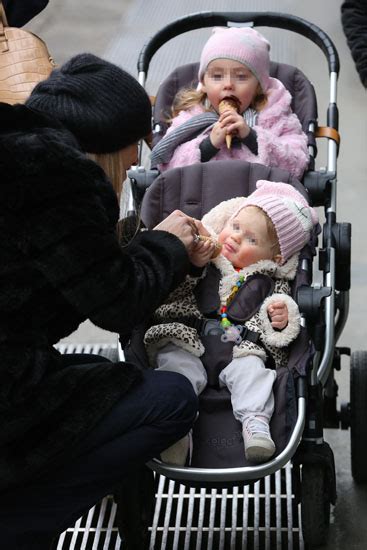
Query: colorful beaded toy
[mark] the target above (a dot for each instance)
(225, 322)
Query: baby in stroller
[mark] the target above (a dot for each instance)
(256, 122)
(260, 236)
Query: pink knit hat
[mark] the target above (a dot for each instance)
(244, 45)
(292, 216)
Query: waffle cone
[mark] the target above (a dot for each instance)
(228, 104)
(218, 246)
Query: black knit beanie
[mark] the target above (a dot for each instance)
(102, 105)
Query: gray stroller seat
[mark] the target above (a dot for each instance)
(195, 190)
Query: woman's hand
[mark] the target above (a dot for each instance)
(182, 226)
(278, 313)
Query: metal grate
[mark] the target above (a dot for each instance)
(98, 349)
(259, 516)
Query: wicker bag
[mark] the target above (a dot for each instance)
(24, 61)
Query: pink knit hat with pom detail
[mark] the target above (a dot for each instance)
(244, 45)
(292, 216)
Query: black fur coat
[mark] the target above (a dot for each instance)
(354, 21)
(19, 12)
(60, 265)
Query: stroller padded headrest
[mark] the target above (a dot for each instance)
(197, 188)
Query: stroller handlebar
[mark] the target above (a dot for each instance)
(266, 19)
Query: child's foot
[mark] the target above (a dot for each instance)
(178, 452)
(259, 446)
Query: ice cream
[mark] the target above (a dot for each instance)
(218, 246)
(229, 104)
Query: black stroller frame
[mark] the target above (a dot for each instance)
(323, 307)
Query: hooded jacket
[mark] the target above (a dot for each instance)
(61, 264)
(280, 138)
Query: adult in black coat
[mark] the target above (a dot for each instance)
(354, 21)
(19, 12)
(72, 427)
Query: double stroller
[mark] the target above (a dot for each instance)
(305, 390)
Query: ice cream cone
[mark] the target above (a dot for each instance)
(218, 246)
(229, 104)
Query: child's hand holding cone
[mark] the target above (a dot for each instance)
(218, 246)
(228, 104)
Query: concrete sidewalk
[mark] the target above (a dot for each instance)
(69, 27)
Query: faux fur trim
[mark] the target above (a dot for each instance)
(278, 103)
(218, 216)
(286, 271)
(230, 276)
(280, 338)
(243, 351)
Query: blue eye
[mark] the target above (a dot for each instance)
(251, 240)
(241, 77)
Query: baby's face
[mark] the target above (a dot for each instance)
(225, 78)
(245, 238)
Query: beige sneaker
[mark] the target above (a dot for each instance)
(178, 453)
(259, 446)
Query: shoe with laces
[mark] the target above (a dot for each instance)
(259, 446)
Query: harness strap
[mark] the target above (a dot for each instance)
(205, 327)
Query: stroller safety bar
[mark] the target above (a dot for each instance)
(268, 19)
(248, 473)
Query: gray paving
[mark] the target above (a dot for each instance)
(118, 30)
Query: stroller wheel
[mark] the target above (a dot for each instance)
(358, 409)
(315, 505)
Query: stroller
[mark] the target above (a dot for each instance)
(305, 391)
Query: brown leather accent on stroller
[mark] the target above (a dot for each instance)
(326, 131)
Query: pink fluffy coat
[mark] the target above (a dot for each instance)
(281, 140)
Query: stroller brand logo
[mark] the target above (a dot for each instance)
(221, 442)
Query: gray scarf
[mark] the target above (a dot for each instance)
(164, 150)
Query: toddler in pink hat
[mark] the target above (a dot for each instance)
(245, 45)
(261, 236)
(238, 111)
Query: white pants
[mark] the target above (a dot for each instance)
(249, 382)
